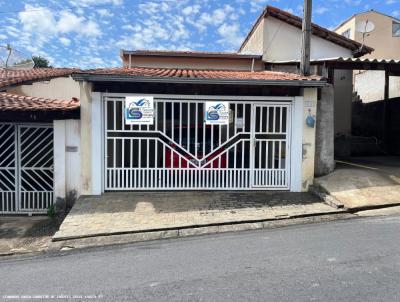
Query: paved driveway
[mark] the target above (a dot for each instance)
(22, 234)
(114, 213)
(365, 181)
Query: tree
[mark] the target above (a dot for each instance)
(41, 62)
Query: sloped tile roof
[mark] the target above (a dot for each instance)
(161, 73)
(13, 77)
(13, 102)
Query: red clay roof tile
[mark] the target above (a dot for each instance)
(200, 74)
(13, 77)
(13, 102)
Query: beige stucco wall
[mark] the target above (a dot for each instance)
(283, 43)
(63, 88)
(370, 86)
(381, 39)
(255, 43)
(349, 25)
(85, 90)
(192, 63)
(310, 96)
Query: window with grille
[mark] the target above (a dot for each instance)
(396, 29)
(346, 34)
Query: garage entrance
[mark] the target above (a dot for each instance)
(181, 152)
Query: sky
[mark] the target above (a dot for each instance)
(90, 33)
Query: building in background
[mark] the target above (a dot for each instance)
(384, 37)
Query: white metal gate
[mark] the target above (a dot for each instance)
(26, 168)
(271, 145)
(180, 152)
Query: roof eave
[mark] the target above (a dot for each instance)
(122, 78)
(190, 55)
(362, 52)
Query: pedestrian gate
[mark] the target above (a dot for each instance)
(180, 152)
(26, 168)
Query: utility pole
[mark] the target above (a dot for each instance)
(306, 39)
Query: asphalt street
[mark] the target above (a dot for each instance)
(351, 260)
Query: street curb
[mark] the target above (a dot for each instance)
(320, 192)
(125, 238)
(371, 207)
(7, 254)
(231, 223)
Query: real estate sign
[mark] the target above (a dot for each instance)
(217, 113)
(139, 110)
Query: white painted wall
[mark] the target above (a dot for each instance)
(296, 151)
(283, 43)
(67, 160)
(370, 85)
(72, 155)
(97, 146)
(255, 42)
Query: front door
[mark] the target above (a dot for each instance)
(270, 139)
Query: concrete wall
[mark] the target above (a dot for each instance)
(310, 96)
(325, 147)
(64, 88)
(370, 85)
(193, 63)
(283, 43)
(255, 43)
(67, 160)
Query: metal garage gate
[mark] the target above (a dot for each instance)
(26, 168)
(180, 152)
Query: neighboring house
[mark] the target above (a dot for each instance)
(385, 39)
(39, 121)
(276, 35)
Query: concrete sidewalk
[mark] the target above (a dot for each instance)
(364, 182)
(22, 234)
(128, 213)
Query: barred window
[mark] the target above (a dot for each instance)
(396, 29)
(346, 33)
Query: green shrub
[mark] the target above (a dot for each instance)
(51, 211)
